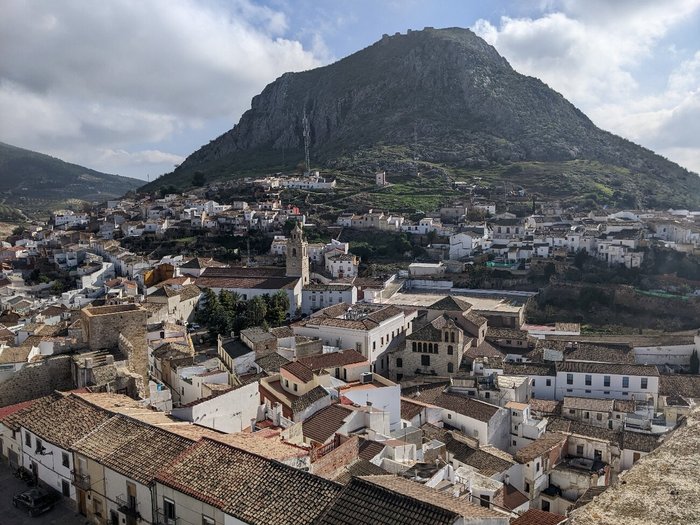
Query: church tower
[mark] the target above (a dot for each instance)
(298, 256)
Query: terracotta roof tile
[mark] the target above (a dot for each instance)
(248, 487)
(298, 370)
(539, 517)
(325, 423)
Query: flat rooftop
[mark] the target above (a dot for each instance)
(482, 303)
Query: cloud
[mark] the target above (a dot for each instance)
(121, 74)
(596, 53)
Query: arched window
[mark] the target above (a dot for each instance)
(420, 347)
(450, 350)
(414, 346)
(294, 252)
(446, 337)
(452, 337)
(450, 368)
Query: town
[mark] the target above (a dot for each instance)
(244, 352)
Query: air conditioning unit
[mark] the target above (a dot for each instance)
(366, 377)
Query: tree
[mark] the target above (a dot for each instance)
(278, 307)
(580, 258)
(198, 179)
(255, 311)
(694, 362)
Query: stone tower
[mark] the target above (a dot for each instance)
(298, 256)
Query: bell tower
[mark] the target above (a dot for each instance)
(298, 256)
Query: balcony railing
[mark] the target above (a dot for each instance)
(127, 506)
(162, 519)
(81, 481)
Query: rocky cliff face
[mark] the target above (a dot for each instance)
(444, 95)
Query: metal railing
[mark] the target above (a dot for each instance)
(127, 506)
(81, 481)
(162, 519)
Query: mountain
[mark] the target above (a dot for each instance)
(34, 182)
(441, 99)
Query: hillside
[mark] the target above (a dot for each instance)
(436, 99)
(35, 183)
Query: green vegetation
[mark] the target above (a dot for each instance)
(37, 183)
(228, 313)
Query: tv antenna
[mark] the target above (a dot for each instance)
(307, 134)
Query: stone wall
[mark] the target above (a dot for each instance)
(37, 380)
(342, 455)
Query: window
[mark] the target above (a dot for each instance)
(65, 488)
(450, 350)
(579, 450)
(587, 391)
(65, 460)
(587, 415)
(414, 346)
(597, 455)
(537, 466)
(425, 360)
(514, 443)
(569, 379)
(599, 416)
(606, 392)
(97, 507)
(485, 501)
(645, 383)
(588, 380)
(452, 337)
(169, 509)
(450, 368)
(487, 395)
(549, 382)
(374, 345)
(286, 383)
(399, 362)
(527, 487)
(606, 380)
(28, 439)
(449, 416)
(572, 411)
(545, 505)
(569, 390)
(206, 520)
(635, 457)
(533, 382)
(447, 337)
(625, 382)
(39, 445)
(295, 387)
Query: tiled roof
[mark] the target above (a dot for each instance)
(487, 464)
(234, 348)
(64, 420)
(11, 415)
(679, 385)
(248, 487)
(266, 443)
(409, 409)
(365, 503)
(359, 467)
(298, 370)
(302, 402)
(529, 369)
(639, 441)
(586, 403)
(556, 424)
(511, 497)
(190, 292)
(545, 406)
(451, 304)
(539, 517)
(369, 449)
(485, 349)
(601, 352)
(325, 423)
(589, 496)
(466, 406)
(247, 283)
(540, 446)
(271, 363)
(134, 449)
(281, 332)
(425, 393)
(607, 368)
(332, 359)
(432, 330)
(332, 316)
(420, 492)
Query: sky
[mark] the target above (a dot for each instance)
(132, 87)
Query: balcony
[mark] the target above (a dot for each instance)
(128, 506)
(162, 519)
(80, 481)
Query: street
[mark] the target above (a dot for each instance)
(61, 514)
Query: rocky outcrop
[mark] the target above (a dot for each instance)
(439, 95)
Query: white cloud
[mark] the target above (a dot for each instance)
(592, 52)
(118, 75)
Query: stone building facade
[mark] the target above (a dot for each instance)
(298, 256)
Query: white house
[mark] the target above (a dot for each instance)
(607, 381)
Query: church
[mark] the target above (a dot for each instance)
(251, 282)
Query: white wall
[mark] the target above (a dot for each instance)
(115, 486)
(50, 465)
(597, 388)
(386, 398)
(229, 412)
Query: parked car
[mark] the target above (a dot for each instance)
(36, 500)
(193, 327)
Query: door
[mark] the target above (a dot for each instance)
(82, 505)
